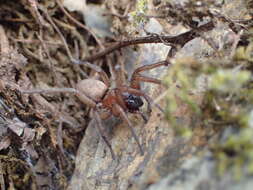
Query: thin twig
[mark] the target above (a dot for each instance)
(58, 31)
(211, 43)
(36, 41)
(49, 90)
(80, 24)
(4, 44)
(36, 14)
(234, 25)
(115, 13)
(2, 176)
(44, 46)
(180, 40)
(22, 20)
(237, 38)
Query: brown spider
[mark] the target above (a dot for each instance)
(98, 94)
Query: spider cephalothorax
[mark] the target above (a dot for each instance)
(118, 101)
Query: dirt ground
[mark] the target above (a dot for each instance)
(49, 140)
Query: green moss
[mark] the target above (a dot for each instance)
(227, 99)
(228, 80)
(236, 153)
(244, 53)
(181, 81)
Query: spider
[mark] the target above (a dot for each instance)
(98, 94)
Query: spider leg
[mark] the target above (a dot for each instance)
(124, 117)
(144, 117)
(151, 66)
(96, 68)
(86, 100)
(50, 90)
(99, 127)
(137, 77)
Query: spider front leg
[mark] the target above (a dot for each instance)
(137, 77)
(96, 68)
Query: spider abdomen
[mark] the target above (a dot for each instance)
(92, 88)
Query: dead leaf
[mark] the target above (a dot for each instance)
(21, 129)
(5, 143)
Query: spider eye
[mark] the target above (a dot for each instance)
(133, 102)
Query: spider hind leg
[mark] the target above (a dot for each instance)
(99, 127)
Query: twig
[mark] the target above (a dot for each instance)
(44, 46)
(4, 44)
(180, 40)
(36, 14)
(115, 13)
(80, 24)
(36, 41)
(211, 43)
(50, 90)
(234, 25)
(22, 20)
(58, 31)
(235, 43)
(2, 176)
